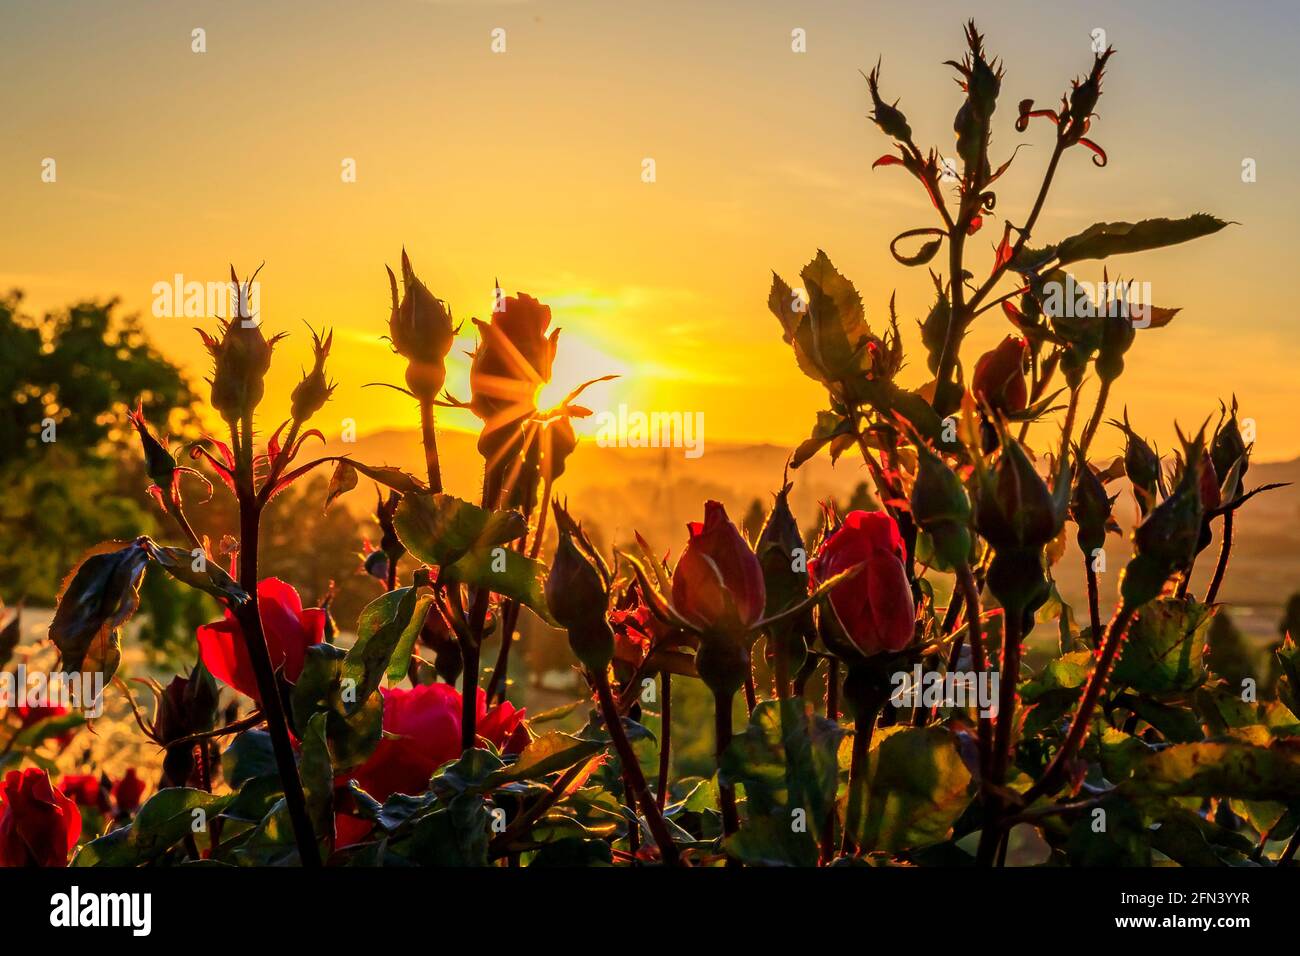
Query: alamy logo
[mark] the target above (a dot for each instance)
(917, 688)
(634, 429)
(82, 690)
(74, 909)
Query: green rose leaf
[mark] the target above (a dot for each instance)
(1163, 651)
(468, 544)
(916, 787)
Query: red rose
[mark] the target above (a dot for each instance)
(85, 789)
(1000, 376)
(425, 726)
(39, 825)
(289, 631)
(875, 605)
(128, 791)
(718, 583)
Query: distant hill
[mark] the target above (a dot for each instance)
(656, 491)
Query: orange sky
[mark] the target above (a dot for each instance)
(526, 165)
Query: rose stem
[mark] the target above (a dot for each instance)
(632, 770)
(665, 738)
(250, 622)
(722, 740)
(1225, 552)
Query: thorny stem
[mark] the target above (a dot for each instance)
(1094, 600)
(665, 739)
(1091, 428)
(472, 646)
(1055, 773)
(510, 615)
(632, 770)
(430, 440)
(1225, 552)
(250, 621)
(722, 740)
(864, 725)
(751, 693)
(971, 598)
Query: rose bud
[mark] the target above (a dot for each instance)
(1117, 335)
(785, 579)
(1090, 508)
(718, 583)
(421, 733)
(1014, 508)
(420, 328)
(39, 825)
(941, 508)
(578, 597)
(128, 791)
(1228, 447)
(513, 360)
(999, 379)
(778, 541)
(889, 118)
(1083, 100)
(159, 463)
(187, 706)
(1166, 539)
(241, 358)
(874, 607)
(289, 629)
(310, 394)
(1141, 465)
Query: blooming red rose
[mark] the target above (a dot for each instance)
(85, 789)
(425, 726)
(128, 791)
(1000, 376)
(875, 605)
(39, 825)
(289, 628)
(718, 582)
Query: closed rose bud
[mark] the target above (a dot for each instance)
(1166, 539)
(1141, 466)
(999, 379)
(421, 330)
(718, 582)
(941, 508)
(310, 394)
(1083, 100)
(874, 607)
(1117, 335)
(241, 357)
(1014, 508)
(578, 598)
(1209, 485)
(778, 541)
(1090, 509)
(1228, 447)
(889, 118)
(39, 825)
(159, 463)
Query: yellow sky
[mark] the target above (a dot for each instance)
(527, 165)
